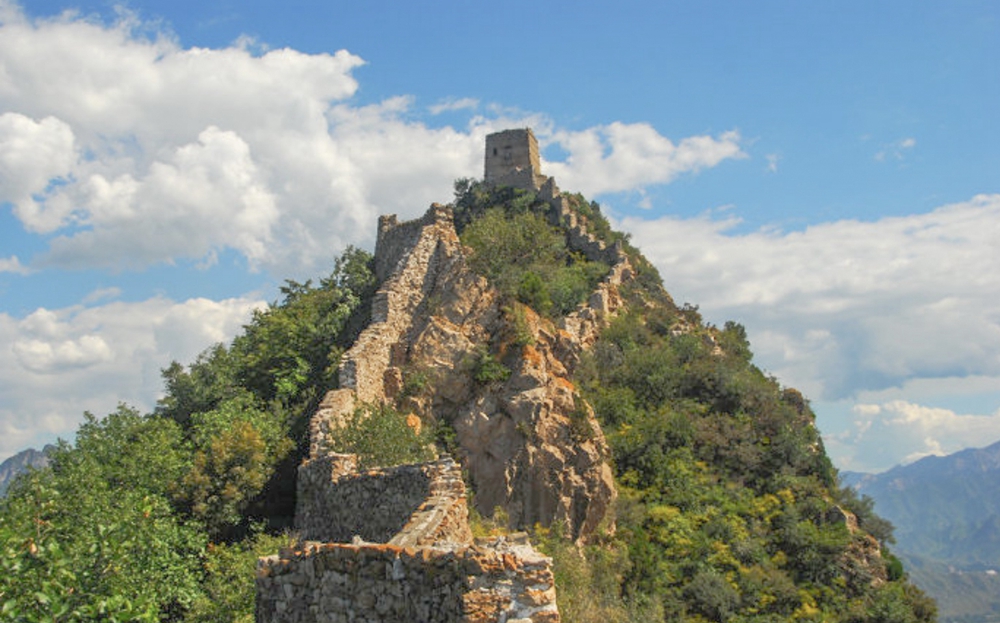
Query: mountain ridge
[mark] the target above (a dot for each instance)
(502, 331)
(19, 463)
(946, 510)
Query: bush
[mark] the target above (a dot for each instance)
(381, 437)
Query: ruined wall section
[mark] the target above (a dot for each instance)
(394, 544)
(407, 505)
(497, 580)
(407, 256)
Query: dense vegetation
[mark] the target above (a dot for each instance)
(727, 508)
(161, 516)
(520, 252)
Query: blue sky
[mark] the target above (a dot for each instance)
(825, 173)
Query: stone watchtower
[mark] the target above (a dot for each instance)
(512, 160)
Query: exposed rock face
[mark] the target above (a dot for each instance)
(862, 563)
(395, 544)
(531, 446)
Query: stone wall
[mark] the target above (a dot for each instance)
(405, 255)
(394, 544)
(497, 580)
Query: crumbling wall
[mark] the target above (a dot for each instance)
(493, 580)
(394, 544)
(405, 255)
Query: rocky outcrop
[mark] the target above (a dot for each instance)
(394, 544)
(530, 444)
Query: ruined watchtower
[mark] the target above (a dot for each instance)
(512, 160)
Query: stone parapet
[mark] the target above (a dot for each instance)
(405, 254)
(499, 580)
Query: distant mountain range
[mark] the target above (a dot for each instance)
(20, 462)
(946, 510)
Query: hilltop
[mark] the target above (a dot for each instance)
(505, 367)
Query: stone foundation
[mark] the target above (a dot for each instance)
(492, 580)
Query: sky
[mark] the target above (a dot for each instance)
(826, 173)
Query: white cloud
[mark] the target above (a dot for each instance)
(847, 306)
(204, 195)
(164, 153)
(13, 265)
(772, 162)
(901, 431)
(62, 362)
(464, 103)
(621, 156)
(32, 155)
(896, 150)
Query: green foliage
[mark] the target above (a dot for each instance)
(415, 381)
(579, 421)
(725, 491)
(522, 255)
(381, 437)
(486, 368)
(94, 537)
(517, 319)
(289, 352)
(228, 588)
(589, 577)
(237, 448)
(119, 526)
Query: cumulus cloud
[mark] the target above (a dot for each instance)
(900, 431)
(89, 357)
(13, 265)
(130, 150)
(620, 156)
(32, 155)
(849, 305)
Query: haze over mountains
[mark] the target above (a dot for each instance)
(21, 462)
(946, 510)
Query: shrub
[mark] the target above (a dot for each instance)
(380, 437)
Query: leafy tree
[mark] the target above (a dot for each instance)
(94, 536)
(228, 589)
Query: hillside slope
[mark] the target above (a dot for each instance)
(668, 477)
(946, 510)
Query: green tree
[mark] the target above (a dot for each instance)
(94, 536)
